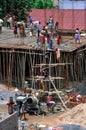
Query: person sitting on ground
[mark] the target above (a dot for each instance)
(78, 98)
(50, 103)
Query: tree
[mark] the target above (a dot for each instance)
(49, 4)
(19, 8)
(15, 7)
(41, 4)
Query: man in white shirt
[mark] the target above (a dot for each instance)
(1, 24)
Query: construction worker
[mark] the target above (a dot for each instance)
(22, 111)
(50, 103)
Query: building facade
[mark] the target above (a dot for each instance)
(70, 4)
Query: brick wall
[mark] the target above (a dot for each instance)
(68, 19)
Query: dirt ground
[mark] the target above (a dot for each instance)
(76, 115)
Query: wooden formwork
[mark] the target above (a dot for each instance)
(17, 61)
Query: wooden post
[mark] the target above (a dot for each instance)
(58, 94)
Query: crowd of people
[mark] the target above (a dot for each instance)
(44, 34)
(10, 22)
(48, 32)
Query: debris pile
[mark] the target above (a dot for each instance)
(3, 116)
(75, 115)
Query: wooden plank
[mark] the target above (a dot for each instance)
(52, 65)
(44, 79)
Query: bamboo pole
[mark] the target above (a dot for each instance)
(58, 94)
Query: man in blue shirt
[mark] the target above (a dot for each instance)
(30, 19)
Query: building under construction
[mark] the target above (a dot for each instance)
(21, 59)
(21, 62)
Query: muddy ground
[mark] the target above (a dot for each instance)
(75, 115)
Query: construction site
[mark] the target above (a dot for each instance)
(20, 62)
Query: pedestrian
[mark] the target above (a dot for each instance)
(42, 39)
(11, 22)
(51, 19)
(50, 40)
(8, 21)
(57, 53)
(58, 39)
(56, 28)
(38, 31)
(46, 27)
(31, 29)
(30, 19)
(47, 38)
(77, 36)
(50, 26)
(44, 71)
(21, 29)
(22, 111)
(1, 24)
(15, 29)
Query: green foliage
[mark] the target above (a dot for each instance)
(15, 7)
(49, 4)
(41, 4)
(1, 12)
(20, 7)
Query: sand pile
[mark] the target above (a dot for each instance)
(2, 86)
(76, 115)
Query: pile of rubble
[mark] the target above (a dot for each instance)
(75, 115)
(3, 116)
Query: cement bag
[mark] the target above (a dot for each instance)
(30, 34)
